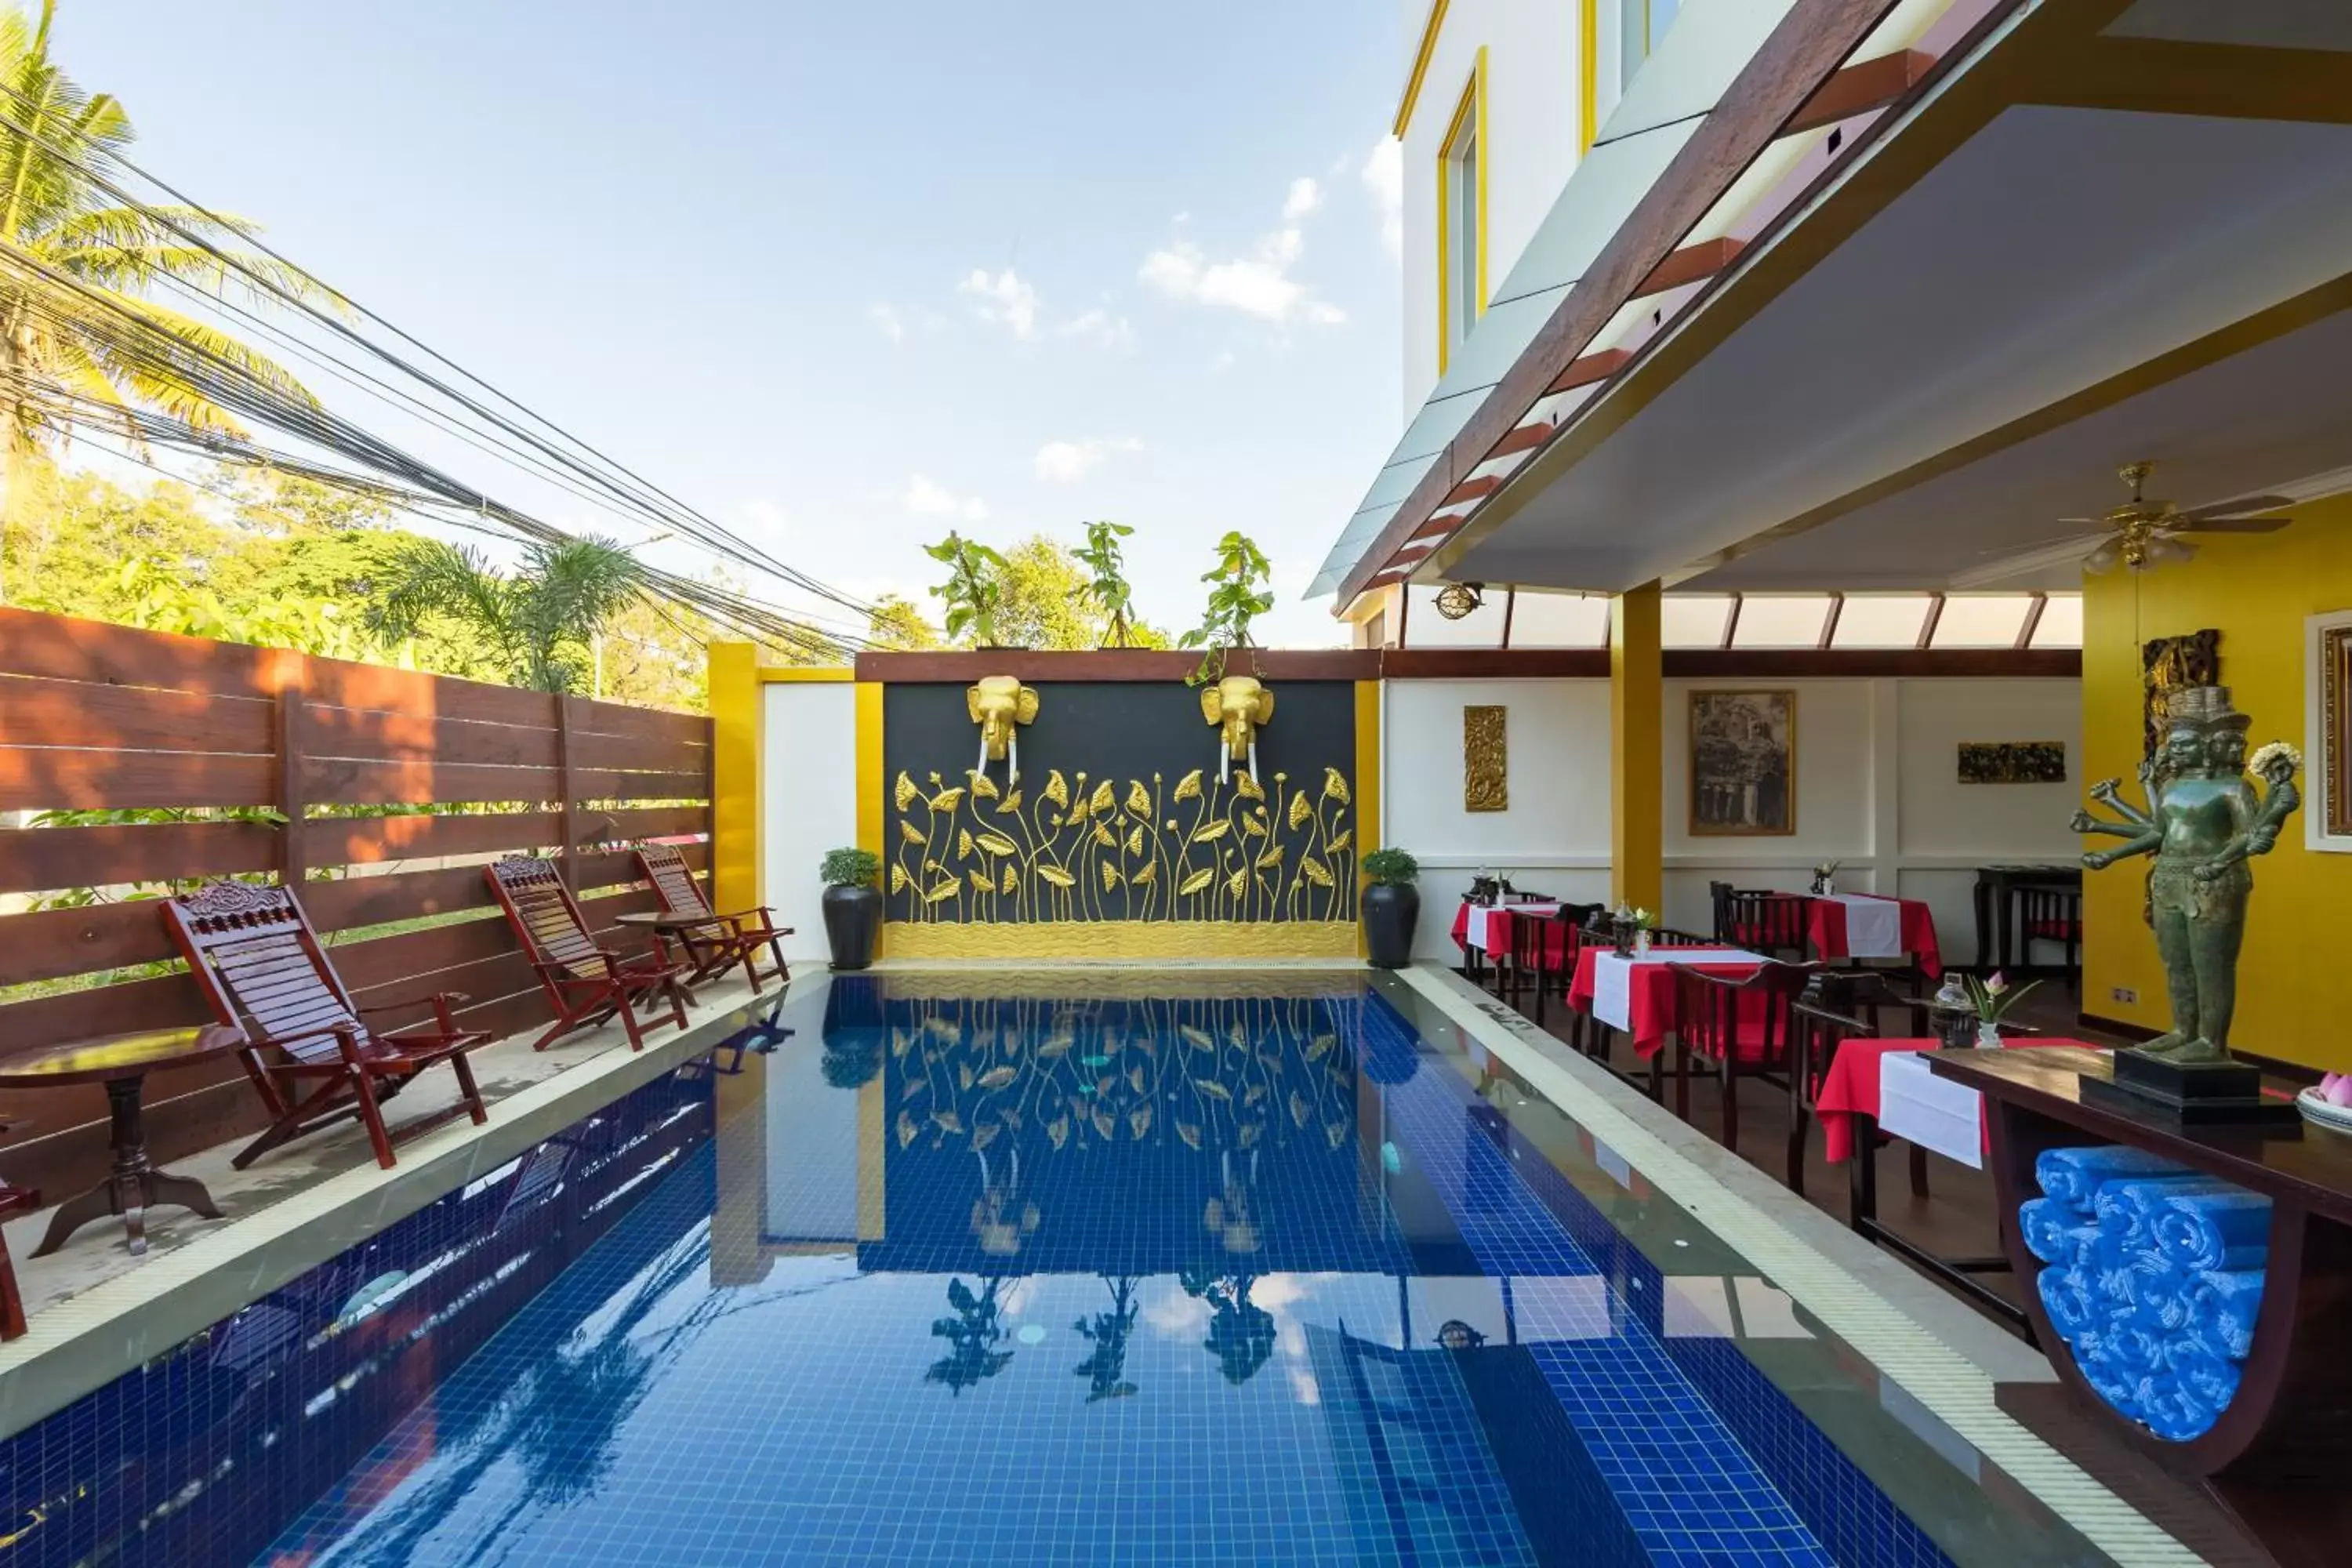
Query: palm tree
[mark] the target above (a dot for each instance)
(82, 342)
(537, 624)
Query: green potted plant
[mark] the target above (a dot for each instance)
(1392, 905)
(853, 906)
(974, 590)
(1241, 590)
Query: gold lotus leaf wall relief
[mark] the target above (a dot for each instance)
(1080, 848)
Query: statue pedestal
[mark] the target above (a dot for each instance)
(2208, 1094)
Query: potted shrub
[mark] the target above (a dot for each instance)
(1392, 905)
(853, 906)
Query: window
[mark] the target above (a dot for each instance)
(1461, 219)
(1641, 26)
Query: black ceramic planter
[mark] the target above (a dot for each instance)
(1390, 911)
(852, 921)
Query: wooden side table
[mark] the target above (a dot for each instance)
(121, 1062)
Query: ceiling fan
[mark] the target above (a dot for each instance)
(2141, 532)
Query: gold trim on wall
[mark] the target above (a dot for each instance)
(1485, 757)
(1111, 941)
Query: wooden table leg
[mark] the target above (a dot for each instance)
(134, 1185)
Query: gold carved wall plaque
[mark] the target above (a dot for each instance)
(1486, 758)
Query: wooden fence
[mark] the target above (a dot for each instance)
(102, 717)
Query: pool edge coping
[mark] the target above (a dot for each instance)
(1952, 1387)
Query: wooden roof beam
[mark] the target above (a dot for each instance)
(1691, 264)
(1859, 89)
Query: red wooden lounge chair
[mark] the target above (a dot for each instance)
(308, 1051)
(13, 1201)
(728, 938)
(588, 984)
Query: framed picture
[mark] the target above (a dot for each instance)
(1743, 764)
(2328, 732)
(2012, 761)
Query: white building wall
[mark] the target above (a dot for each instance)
(1533, 77)
(808, 784)
(1877, 790)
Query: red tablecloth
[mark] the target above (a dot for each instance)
(1649, 993)
(1825, 928)
(1850, 1087)
(1499, 935)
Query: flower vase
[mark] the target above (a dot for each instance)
(1987, 1034)
(1642, 943)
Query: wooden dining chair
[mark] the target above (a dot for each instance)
(729, 939)
(588, 984)
(2052, 914)
(1738, 1029)
(1759, 920)
(309, 1051)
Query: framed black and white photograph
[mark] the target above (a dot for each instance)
(1743, 764)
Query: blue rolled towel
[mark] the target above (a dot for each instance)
(2204, 1373)
(2054, 1233)
(2226, 1229)
(2127, 1206)
(2174, 1412)
(2163, 1299)
(2073, 1176)
(2227, 1303)
(2068, 1302)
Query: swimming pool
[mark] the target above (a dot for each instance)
(966, 1268)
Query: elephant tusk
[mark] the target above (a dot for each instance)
(1224, 754)
(1013, 756)
(983, 750)
(1254, 772)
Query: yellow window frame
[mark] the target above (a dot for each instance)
(1472, 112)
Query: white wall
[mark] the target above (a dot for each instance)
(808, 784)
(1877, 790)
(1532, 84)
(1554, 837)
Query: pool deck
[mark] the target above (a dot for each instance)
(97, 1312)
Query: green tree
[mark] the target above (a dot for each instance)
(896, 624)
(539, 623)
(1050, 599)
(974, 589)
(1240, 590)
(1108, 587)
(82, 342)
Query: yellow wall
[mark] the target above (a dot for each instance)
(2295, 983)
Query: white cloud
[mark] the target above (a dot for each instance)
(1004, 298)
(925, 499)
(1258, 284)
(889, 322)
(1383, 176)
(1067, 462)
(1099, 327)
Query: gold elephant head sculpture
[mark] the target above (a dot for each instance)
(997, 703)
(1237, 705)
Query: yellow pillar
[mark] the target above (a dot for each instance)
(1368, 783)
(1637, 846)
(735, 744)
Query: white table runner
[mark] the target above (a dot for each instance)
(1612, 977)
(1475, 931)
(1873, 926)
(1933, 1112)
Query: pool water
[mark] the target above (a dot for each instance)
(1180, 1269)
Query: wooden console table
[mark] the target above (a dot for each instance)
(2278, 1456)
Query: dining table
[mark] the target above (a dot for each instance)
(1634, 993)
(1874, 925)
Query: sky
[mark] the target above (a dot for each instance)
(845, 277)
